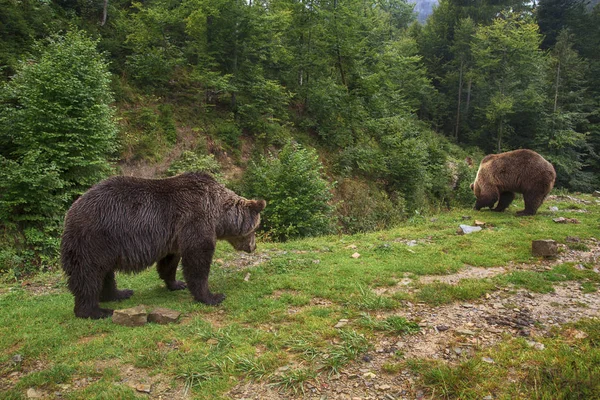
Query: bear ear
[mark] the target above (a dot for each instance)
(257, 205)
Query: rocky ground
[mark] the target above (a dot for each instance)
(450, 333)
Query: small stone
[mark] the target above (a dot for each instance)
(528, 295)
(442, 328)
(487, 360)
(369, 375)
(560, 220)
(467, 229)
(143, 388)
(596, 193)
(467, 305)
(34, 394)
(247, 277)
(479, 223)
(457, 350)
(341, 323)
(136, 316)
(466, 332)
(544, 247)
(316, 261)
(163, 316)
(536, 345)
(355, 255)
(351, 246)
(488, 397)
(553, 208)
(383, 388)
(17, 359)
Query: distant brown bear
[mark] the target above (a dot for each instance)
(522, 171)
(127, 224)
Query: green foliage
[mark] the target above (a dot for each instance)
(297, 195)
(363, 207)
(56, 133)
(148, 131)
(191, 161)
(411, 160)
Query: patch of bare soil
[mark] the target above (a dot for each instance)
(466, 273)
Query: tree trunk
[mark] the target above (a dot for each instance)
(468, 94)
(500, 135)
(104, 13)
(460, 85)
(337, 46)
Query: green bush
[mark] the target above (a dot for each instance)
(57, 131)
(190, 161)
(297, 195)
(363, 207)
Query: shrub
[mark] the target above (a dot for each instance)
(363, 207)
(297, 195)
(190, 161)
(57, 131)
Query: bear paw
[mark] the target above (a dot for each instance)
(117, 295)
(176, 285)
(214, 299)
(96, 313)
(524, 213)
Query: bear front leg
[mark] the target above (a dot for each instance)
(109, 289)
(505, 199)
(196, 262)
(167, 269)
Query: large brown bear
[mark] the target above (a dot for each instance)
(127, 224)
(522, 171)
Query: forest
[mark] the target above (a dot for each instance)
(346, 116)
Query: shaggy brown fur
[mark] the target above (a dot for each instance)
(127, 224)
(522, 171)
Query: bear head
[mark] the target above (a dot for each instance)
(241, 223)
(486, 197)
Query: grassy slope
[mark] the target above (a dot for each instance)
(285, 312)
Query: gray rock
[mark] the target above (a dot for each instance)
(136, 316)
(596, 193)
(163, 316)
(466, 229)
(34, 394)
(544, 247)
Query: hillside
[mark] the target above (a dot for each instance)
(413, 312)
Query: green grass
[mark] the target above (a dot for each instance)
(284, 314)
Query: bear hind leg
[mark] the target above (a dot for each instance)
(167, 269)
(109, 289)
(86, 290)
(532, 203)
(505, 199)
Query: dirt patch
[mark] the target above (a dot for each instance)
(466, 273)
(244, 261)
